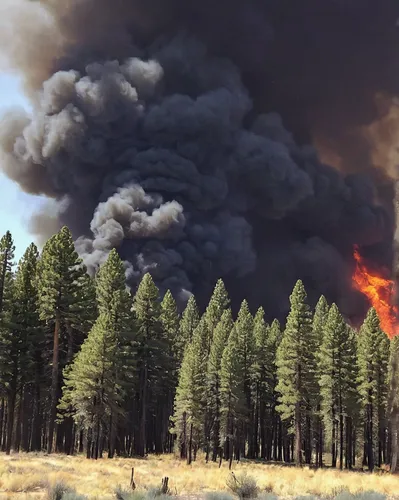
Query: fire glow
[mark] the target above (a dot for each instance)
(380, 293)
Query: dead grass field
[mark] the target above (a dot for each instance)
(27, 476)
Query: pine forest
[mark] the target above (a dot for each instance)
(86, 367)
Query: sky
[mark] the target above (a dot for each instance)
(15, 206)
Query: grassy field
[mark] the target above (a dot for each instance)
(27, 477)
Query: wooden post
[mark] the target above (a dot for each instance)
(165, 487)
(132, 483)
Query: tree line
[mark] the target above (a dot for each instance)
(88, 367)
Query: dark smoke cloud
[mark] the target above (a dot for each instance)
(161, 128)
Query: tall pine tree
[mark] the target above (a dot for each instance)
(188, 323)
(61, 274)
(373, 357)
(150, 354)
(296, 366)
(190, 402)
(220, 337)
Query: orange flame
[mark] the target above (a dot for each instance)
(380, 293)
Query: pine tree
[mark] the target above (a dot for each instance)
(351, 397)
(188, 323)
(393, 403)
(373, 356)
(93, 392)
(61, 275)
(27, 344)
(336, 375)
(8, 342)
(232, 396)
(7, 250)
(150, 352)
(244, 327)
(220, 337)
(169, 320)
(218, 303)
(96, 382)
(319, 320)
(296, 366)
(267, 421)
(190, 401)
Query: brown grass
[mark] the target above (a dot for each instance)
(26, 476)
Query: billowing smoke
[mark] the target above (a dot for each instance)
(178, 132)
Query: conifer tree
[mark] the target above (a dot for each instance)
(150, 352)
(61, 274)
(336, 374)
(169, 320)
(220, 337)
(190, 402)
(8, 342)
(7, 250)
(244, 327)
(319, 320)
(296, 366)
(96, 382)
(393, 403)
(267, 420)
(93, 389)
(373, 357)
(351, 397)
(232, 396)
(26, 344)
(188, 323)
(218, 303)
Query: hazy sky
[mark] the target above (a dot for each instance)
(15, 206)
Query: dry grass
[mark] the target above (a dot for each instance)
(26, 477)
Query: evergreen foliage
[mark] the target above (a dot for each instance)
(373, 359)
(188, 323)
(219, 341)
(130, 376)
(296, 366)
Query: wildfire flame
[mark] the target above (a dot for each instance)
(379, 291)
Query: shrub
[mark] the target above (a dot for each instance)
(243, 486)
(57, 491)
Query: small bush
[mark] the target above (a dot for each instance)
(243, 486)
(58, 490)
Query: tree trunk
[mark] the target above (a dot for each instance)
(321, 443)
(370, 447)
(341, 441)
(112, 436)
(334, 443)
(2, 433)
(18, 427)
(54, 384)
(11, 409)
(298, 435)
(190, 446)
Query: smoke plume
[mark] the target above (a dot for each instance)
(181, 134)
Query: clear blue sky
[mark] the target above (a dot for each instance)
(15, 206)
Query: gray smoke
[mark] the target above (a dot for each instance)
(163, 154)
